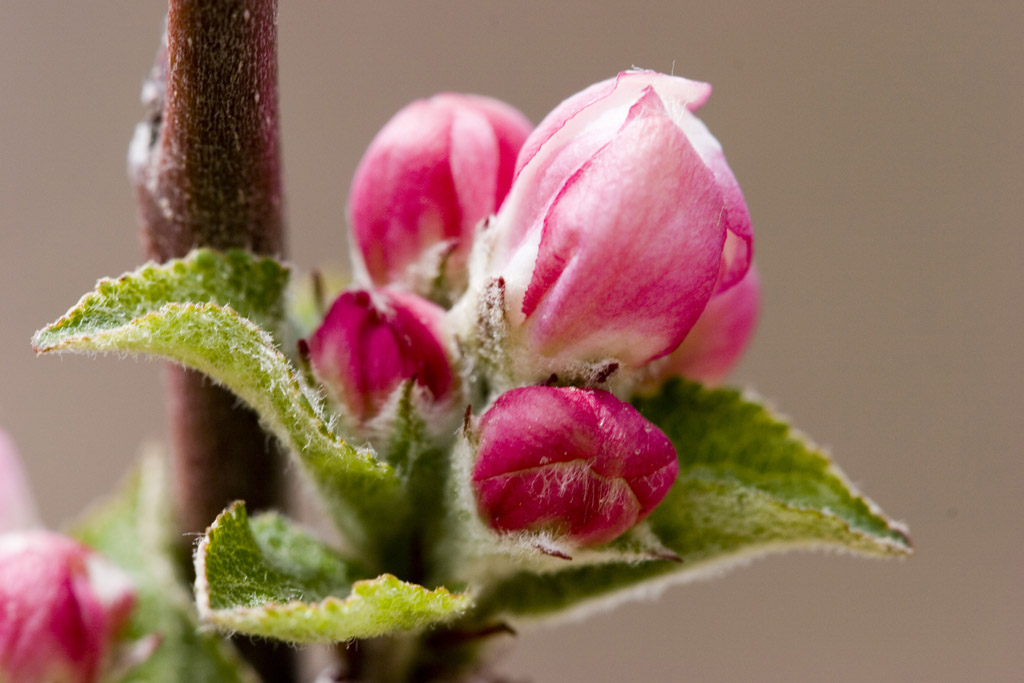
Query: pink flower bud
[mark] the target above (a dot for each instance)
(621, 223)
(17, 508)
(715, 343)
(373, 340)
(581, 462)
(437, 169)
(61, 607)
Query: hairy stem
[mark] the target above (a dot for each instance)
(205, 166)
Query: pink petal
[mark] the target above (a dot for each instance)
(437, 169)
(572, 133)
(372, 341)
(739, 243)
(61, 607)
(718, 339)
(580, 462)
(511, 129)
(577, 112)
(402, 194)
(17, 507)
(630, 250)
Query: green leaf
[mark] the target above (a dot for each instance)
(267, 578)
(135, 531)
(363, 495)
(728, 443)
(250, 285)
(748, 486)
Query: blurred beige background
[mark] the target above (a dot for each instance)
(879, 144)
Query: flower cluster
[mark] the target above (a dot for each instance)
(543, 275)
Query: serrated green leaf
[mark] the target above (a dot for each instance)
(748, 486)
(266, 578)
(735, 444)
(250, 285)
(134, 530)
(362, 494)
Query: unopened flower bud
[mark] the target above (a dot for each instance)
(576, 461)
(61, 607)
(716, 342)
(623, 220)
(17, 507)
(371, 341)
(438, 168)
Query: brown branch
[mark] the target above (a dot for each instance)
(206, 171)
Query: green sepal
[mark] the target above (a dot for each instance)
(134, 529)
(748, 486)
(265, 577)
(308, 298)
(140, 313)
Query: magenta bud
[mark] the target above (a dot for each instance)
(438, 168)
(623, 220)
(373, 340)
(580, 462)
(61, 608)
(716, 342)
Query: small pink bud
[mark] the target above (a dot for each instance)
(437, 169)
(17, 507)
(373, 340)
(578, 461)
(623, 220)
(61, 607)
(715, 343)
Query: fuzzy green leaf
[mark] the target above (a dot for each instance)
(266, 578)
(362, 494)
(135, 531)
(250, 285)
(748, 486)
